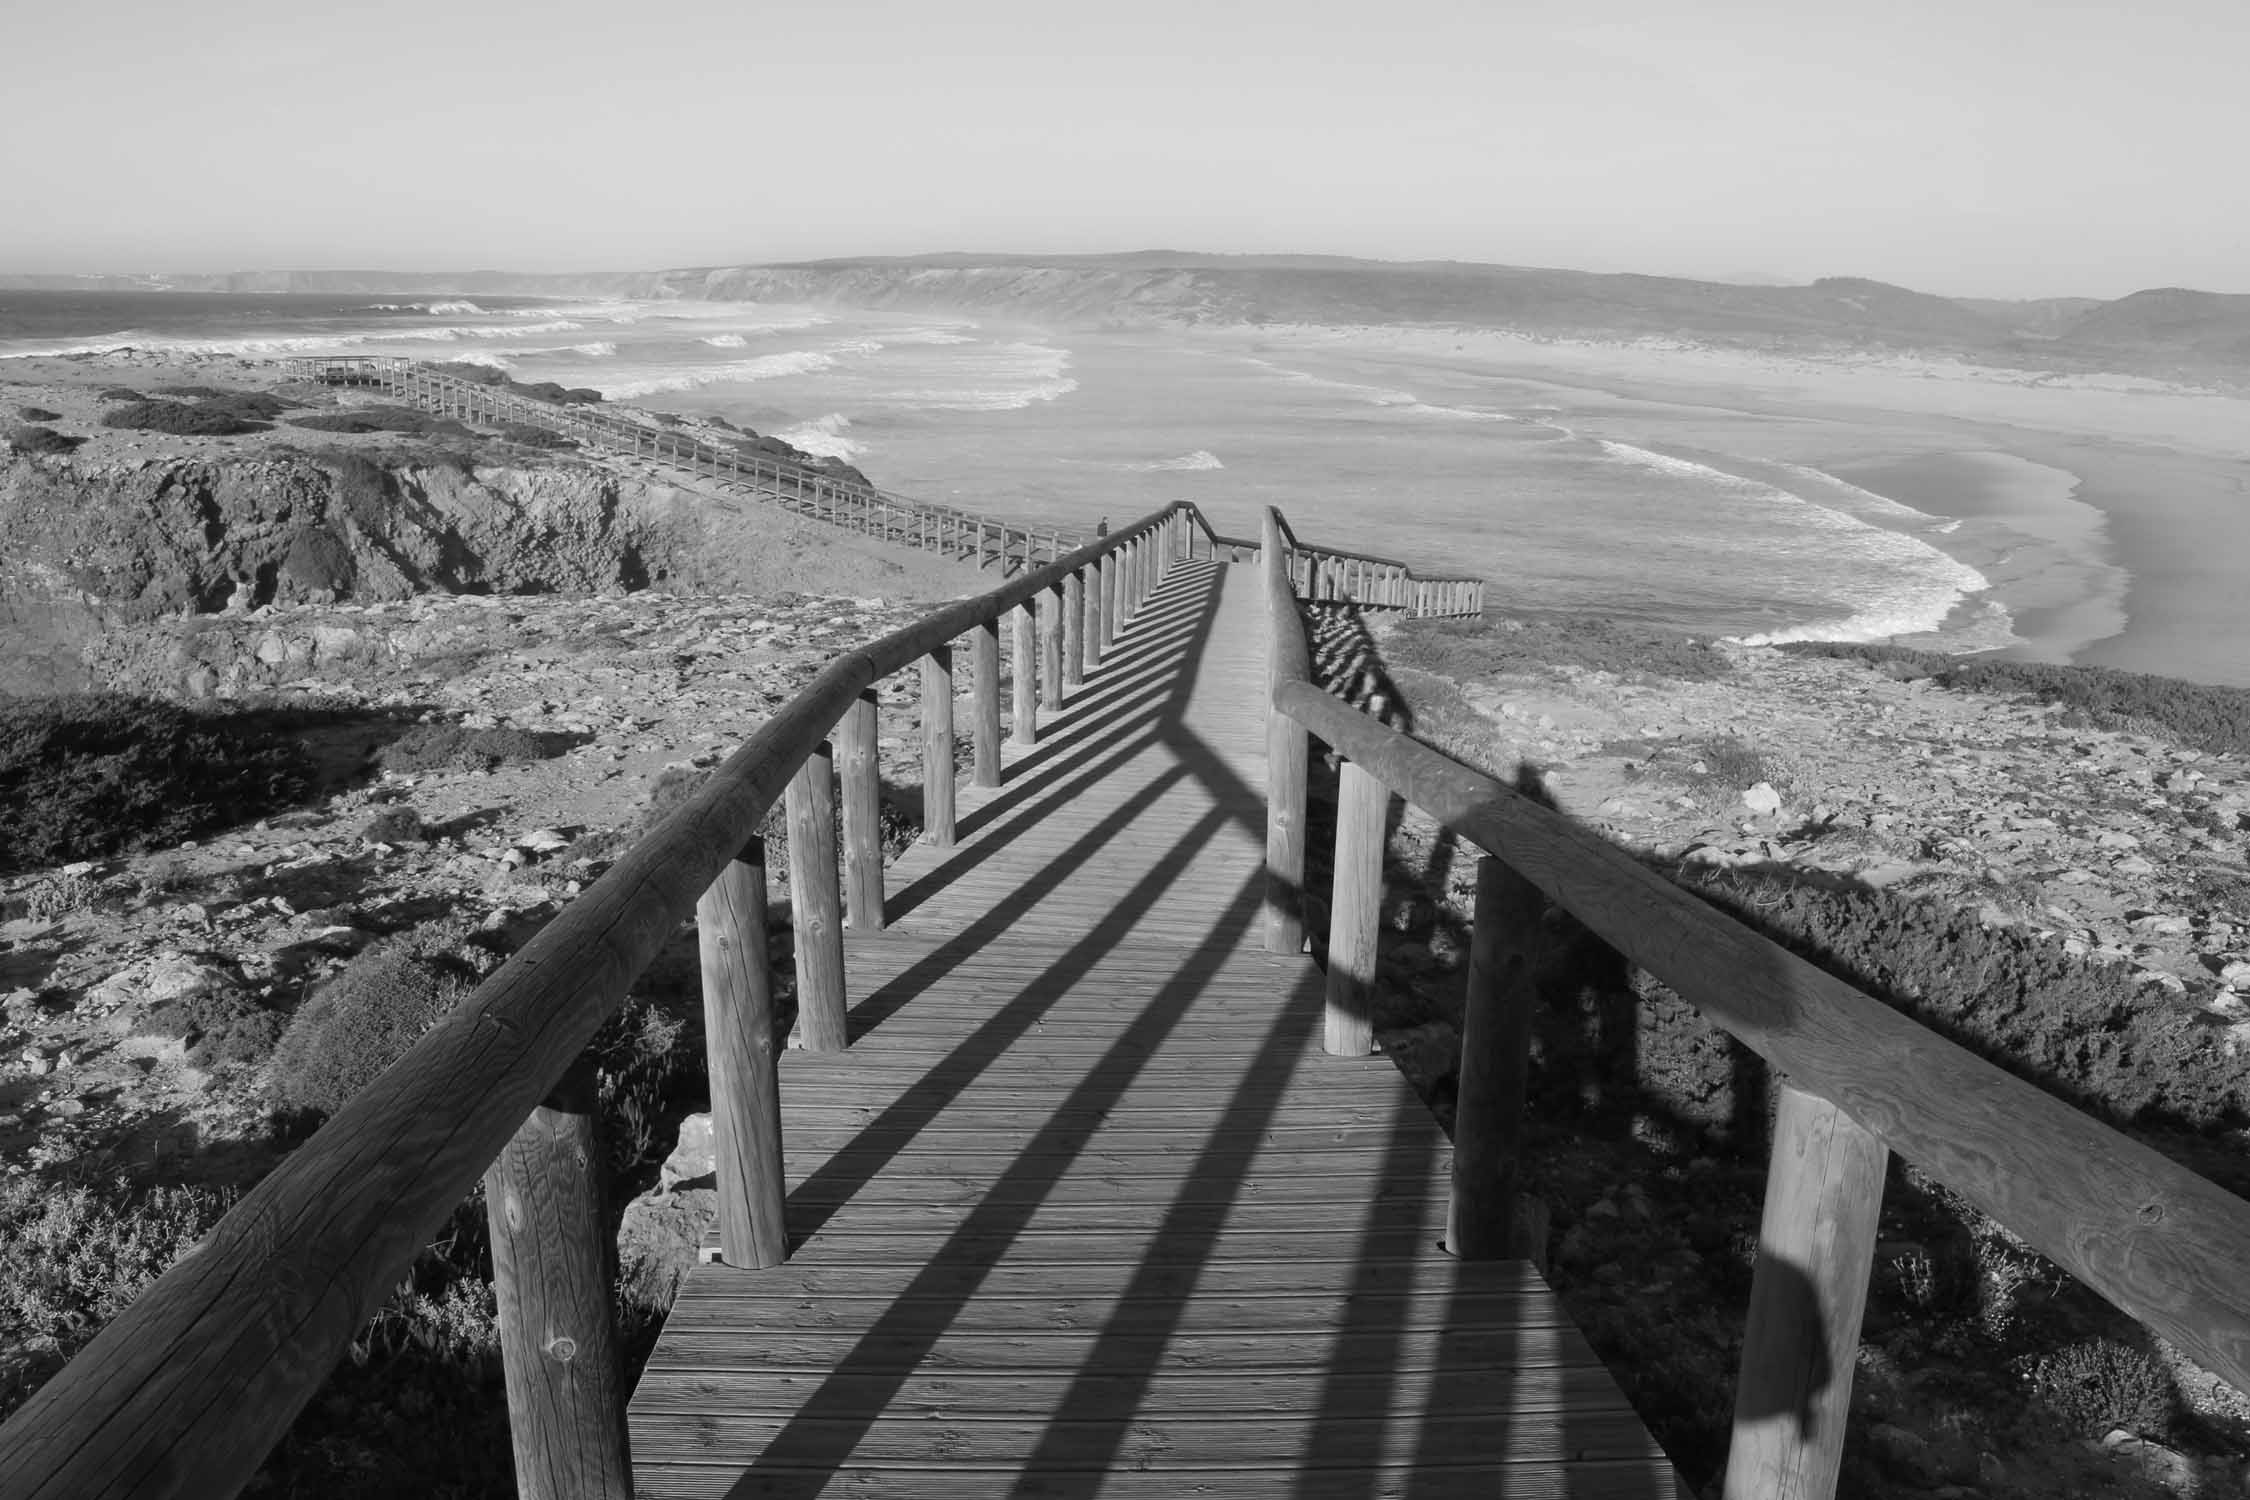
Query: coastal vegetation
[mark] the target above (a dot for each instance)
(2200, 715)
(42, 440)
(85, 775)
(1501, 643)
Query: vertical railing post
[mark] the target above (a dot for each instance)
(1286, 757)
(863, 815)
(551, 1255)
(1356, 899)
(1495, 1056)
(814, 914)
(1024, 670)
(1111, 604)
(937, 747)
(1051, 647)
(984, 724)
(1074, 629)
(730, 929)
(1092, 635)
(1816, 1246)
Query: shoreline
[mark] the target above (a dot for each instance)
(2165, 466)
(2045, 554)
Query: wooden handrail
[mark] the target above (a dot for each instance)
(2163, 1244)
(184, 1392)
(413, 380)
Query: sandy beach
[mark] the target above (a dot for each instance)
(2108, 513)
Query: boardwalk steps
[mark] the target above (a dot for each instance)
(1086, 1209)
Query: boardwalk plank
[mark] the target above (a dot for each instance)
(1086, 1210)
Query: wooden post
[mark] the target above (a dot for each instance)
(730, 929)
(1051, 647)
(818, 924)
(1286, 756)
(1112, 621)
(1092, 633)
(1362, 804)
(1495, 1057)
(863, 815)
(984, 668)
(937, 747)
(551, 1256)
(1074, 630)
(1816, 1245)
(1024, 669)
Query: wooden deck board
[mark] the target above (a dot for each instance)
(1085, 1210)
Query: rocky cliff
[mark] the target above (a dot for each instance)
(95, 546)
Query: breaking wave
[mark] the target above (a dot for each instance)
(454, 310)
(824, 437)
(1889, 583)
(764, 367)
(1201, 458)
(726, 341)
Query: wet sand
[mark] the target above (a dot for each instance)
(2021, 524)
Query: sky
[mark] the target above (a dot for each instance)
(2007, 148)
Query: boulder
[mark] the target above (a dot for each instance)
(691, 1161)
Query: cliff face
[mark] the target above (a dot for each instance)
(92, 547)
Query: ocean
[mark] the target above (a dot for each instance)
(1568, 501)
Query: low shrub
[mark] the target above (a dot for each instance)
(365, 419)
(1728, 763)
(220, 1026)
(2215, 719)
(533, 437)
(441, 747)
(178, 419)
(1495, 643)
(58, 895)
(38, 414)
(361, 1021)
(83, 775)
(43, 440)
(2095, 1387)
(75, 1254)
(2081, 1030)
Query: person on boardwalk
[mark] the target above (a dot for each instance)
(1101, 527)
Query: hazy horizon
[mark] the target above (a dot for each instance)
(2001, 150)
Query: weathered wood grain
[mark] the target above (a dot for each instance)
(939, 774)
(1023, 669)
(984, 646)
(1362, 804)
(1816, 1246)
(738, 1027)
(862, 796)
(551, 1270)
(815, 913)
(1501, 997)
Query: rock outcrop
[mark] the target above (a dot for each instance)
(95, 546)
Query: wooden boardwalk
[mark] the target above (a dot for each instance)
(1085, 1210)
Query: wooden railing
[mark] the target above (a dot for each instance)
(1322, 573)
(829, 496)
(184, 1392)
(1325, 573)
(1862, 1080)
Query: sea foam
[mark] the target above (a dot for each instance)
(824, 436)
(1201, 458)
(1888, 583)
